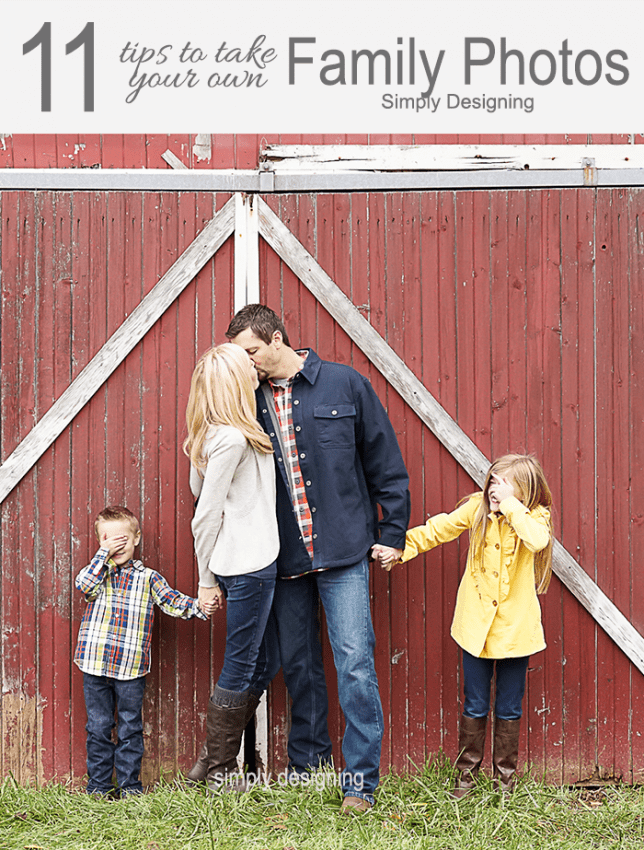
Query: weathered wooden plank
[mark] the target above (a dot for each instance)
(625, 429)
(326, 328)
(612, 415)
(471, 292)
(19, 635)
(47, 476)
(152, 417)
(328, 232)
(605, 377)
(583, 456)
(188, 668)
(173, 161)
(636, 457)
(538, 698)
(419, 665)
(83, 453)
(116, 349)
(54, 590)
(500, 321)
(375, 301)
(435, 417)
(548, 728)
(395, 248)
(118, 304)
(577, 436)
(166, 443)
(440, 320)
(317, 158)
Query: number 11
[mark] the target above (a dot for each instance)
(84, 39)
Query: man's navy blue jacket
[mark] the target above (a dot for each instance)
(351, 463)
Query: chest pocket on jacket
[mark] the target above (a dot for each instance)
(335, 425)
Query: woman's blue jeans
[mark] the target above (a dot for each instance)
(247, 656)
(103, 695)
(510, 686)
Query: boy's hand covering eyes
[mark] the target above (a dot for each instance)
(113, 544)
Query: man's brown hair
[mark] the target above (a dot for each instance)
(262, 321)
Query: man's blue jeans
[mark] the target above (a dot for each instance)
(344, 593)
(103, 695)
(510, 686)
(248, 657)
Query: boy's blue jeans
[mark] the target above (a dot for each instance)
(103, 695)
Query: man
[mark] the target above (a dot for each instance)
(337, 459)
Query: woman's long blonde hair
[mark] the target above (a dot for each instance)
(221, 393)
(532, 490)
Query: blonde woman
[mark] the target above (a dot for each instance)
(236, 542)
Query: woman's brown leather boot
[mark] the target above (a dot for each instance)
(225, 724)
(199, 769)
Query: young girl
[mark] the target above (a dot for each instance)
(497, 621)
(236, 542)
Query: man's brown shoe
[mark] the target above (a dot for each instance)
(354, 804)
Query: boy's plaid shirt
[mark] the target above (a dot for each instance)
(116, 629)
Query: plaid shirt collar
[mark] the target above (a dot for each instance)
(131, 564)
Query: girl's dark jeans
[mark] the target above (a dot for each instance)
(510, 686)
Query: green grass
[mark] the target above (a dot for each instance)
(411, 812)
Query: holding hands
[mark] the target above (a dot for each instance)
(210, 599)
(386, 555)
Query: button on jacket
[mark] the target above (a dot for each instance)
(350, 461)
(497, 610)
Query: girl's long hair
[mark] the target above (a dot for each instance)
(532, 489)
(221, 393)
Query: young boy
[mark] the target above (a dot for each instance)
(113, 649)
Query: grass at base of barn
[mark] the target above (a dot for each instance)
(413, 811)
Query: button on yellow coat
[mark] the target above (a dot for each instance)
(497, 610)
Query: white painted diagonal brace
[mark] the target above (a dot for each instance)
(403, 380)
(116, 349)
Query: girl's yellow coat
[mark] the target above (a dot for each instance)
(497, 610)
